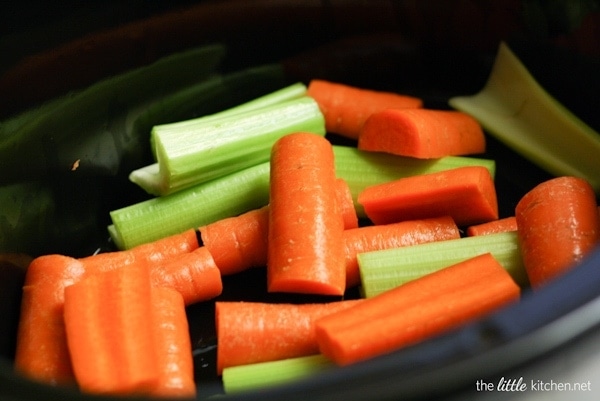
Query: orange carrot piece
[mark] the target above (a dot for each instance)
(422, 133)
(467, 194)
(417, 310)
(346, 202)
(252, 332)
(394, 235)
(240, 242)
(305, 246)
(151, 253)
(558, 226)
(346, 108)
(194, 275)
(503, 225)
(41, 350)
(175, 359)
(108, 321)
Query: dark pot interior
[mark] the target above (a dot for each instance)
(387, 49)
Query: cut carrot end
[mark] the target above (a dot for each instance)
(558, 226)
(422, 133)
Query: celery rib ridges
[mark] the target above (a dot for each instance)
(193, 207)
(198, 150)
(386, 269)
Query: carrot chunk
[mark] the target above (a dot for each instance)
(393, 235)
(126, 337)
(240, 242)
(416, 310)
(558, 226)
(346, 108)
(253, 332)
(305, 247)
(41, 350)
(467, 194)
(109, 332)
(422, 133)
(151, 253)
(175, 359)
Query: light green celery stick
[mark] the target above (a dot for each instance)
(361, 169)
(386, 269)
(513, 107)
(229, 86)
(208, 150)
(267, 374)
(149, 178)
(156, 218)
(221, 93)
(293, 91)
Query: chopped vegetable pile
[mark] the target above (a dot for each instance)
(408, 215)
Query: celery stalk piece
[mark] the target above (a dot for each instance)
(192, 207)
(267, 374)
(513, 107)
(386, 269)
(149, 177)
(361, 169)
(214, 95)
(293, 91)
(196, 152)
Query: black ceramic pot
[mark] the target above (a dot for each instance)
(433, 49)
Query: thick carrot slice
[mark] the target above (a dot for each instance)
(346, 108)
(416, 310)
(467, 194)
(252, 332)
(175, 360)
(558, 226)
(108, 321)
(194, 275)
(41, 349)
(394, 235)
(505, 224)
(422, 133)
(305, 246)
